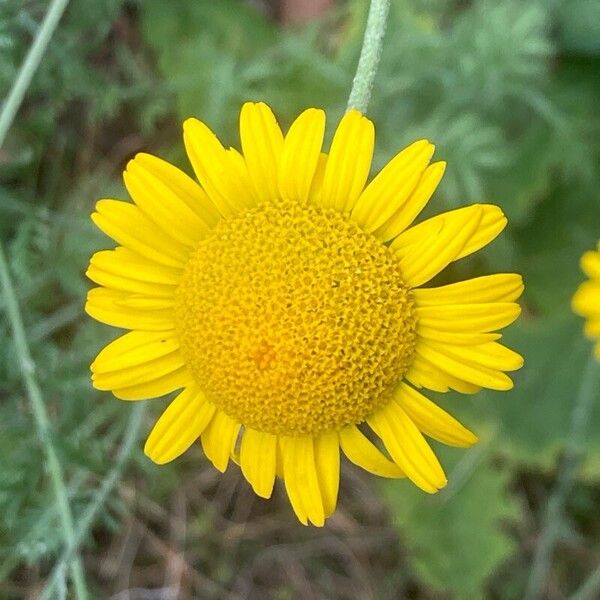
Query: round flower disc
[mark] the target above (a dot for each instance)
(294, 321)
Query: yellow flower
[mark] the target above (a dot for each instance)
(284, 295)
(586, 301)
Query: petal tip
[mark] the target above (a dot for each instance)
(519, 362)
(261, 493)
(190, 122)
(220, 467)
(131, 165)
(434, 487)
(150, 452)
(470, 439)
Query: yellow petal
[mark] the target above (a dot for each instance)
(317, 183)
(262, 145)
(460, 385)
(124, 263)
(468, 317)
(126, 224)
(144, 371)
(491, 355)
(154, 388)
(106, 306)
(433, 252)
(219, 439)
(301, 481)
(592, 328)
(586, 300)
(590, 264)
(139, 364)
(162, 204)
(492, 224)
(135, 348)
(279, 462)
(145, 302)
(424, 374)
(179, 426)
(216, 169)
(391, 188)
(128, 284)
(500, 287)
(491, 221)
(300, 155)
(363, 453)
(238, 164)
(475, 374)
(349, 162)
(258, 456)
(457, 338)
(408, 447)
(185, 187)
(327, 460)
(432, 420)
(415, 203)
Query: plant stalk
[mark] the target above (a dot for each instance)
(13, 101)
(87, 518)
(27, 368)
(9, 110)
(370, 55)
(574, 452)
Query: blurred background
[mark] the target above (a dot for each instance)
(509, 91)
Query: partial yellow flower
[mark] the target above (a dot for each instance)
(586, 301)
(283, 295)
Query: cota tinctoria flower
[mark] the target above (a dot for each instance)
(284, 296)
(586, 301)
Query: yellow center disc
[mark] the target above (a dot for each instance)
(294, 321)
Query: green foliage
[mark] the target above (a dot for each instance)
(89, 72)
(507, 91)
(229, 53)
(477, 82)
(86, 78)
(550, 337)
(48, 254)
(457, 537)
(579, 26)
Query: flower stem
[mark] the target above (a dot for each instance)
(574, 451)
(87, 518)
(21, 83)
(370, 54)
(9, 110)
(27, 367)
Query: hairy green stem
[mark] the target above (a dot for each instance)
(370, 54)
(27, 368)
(574, 451)
(132, 434)
(9, 110)
(21, 83)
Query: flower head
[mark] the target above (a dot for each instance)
(586, 301)
(284, 296)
